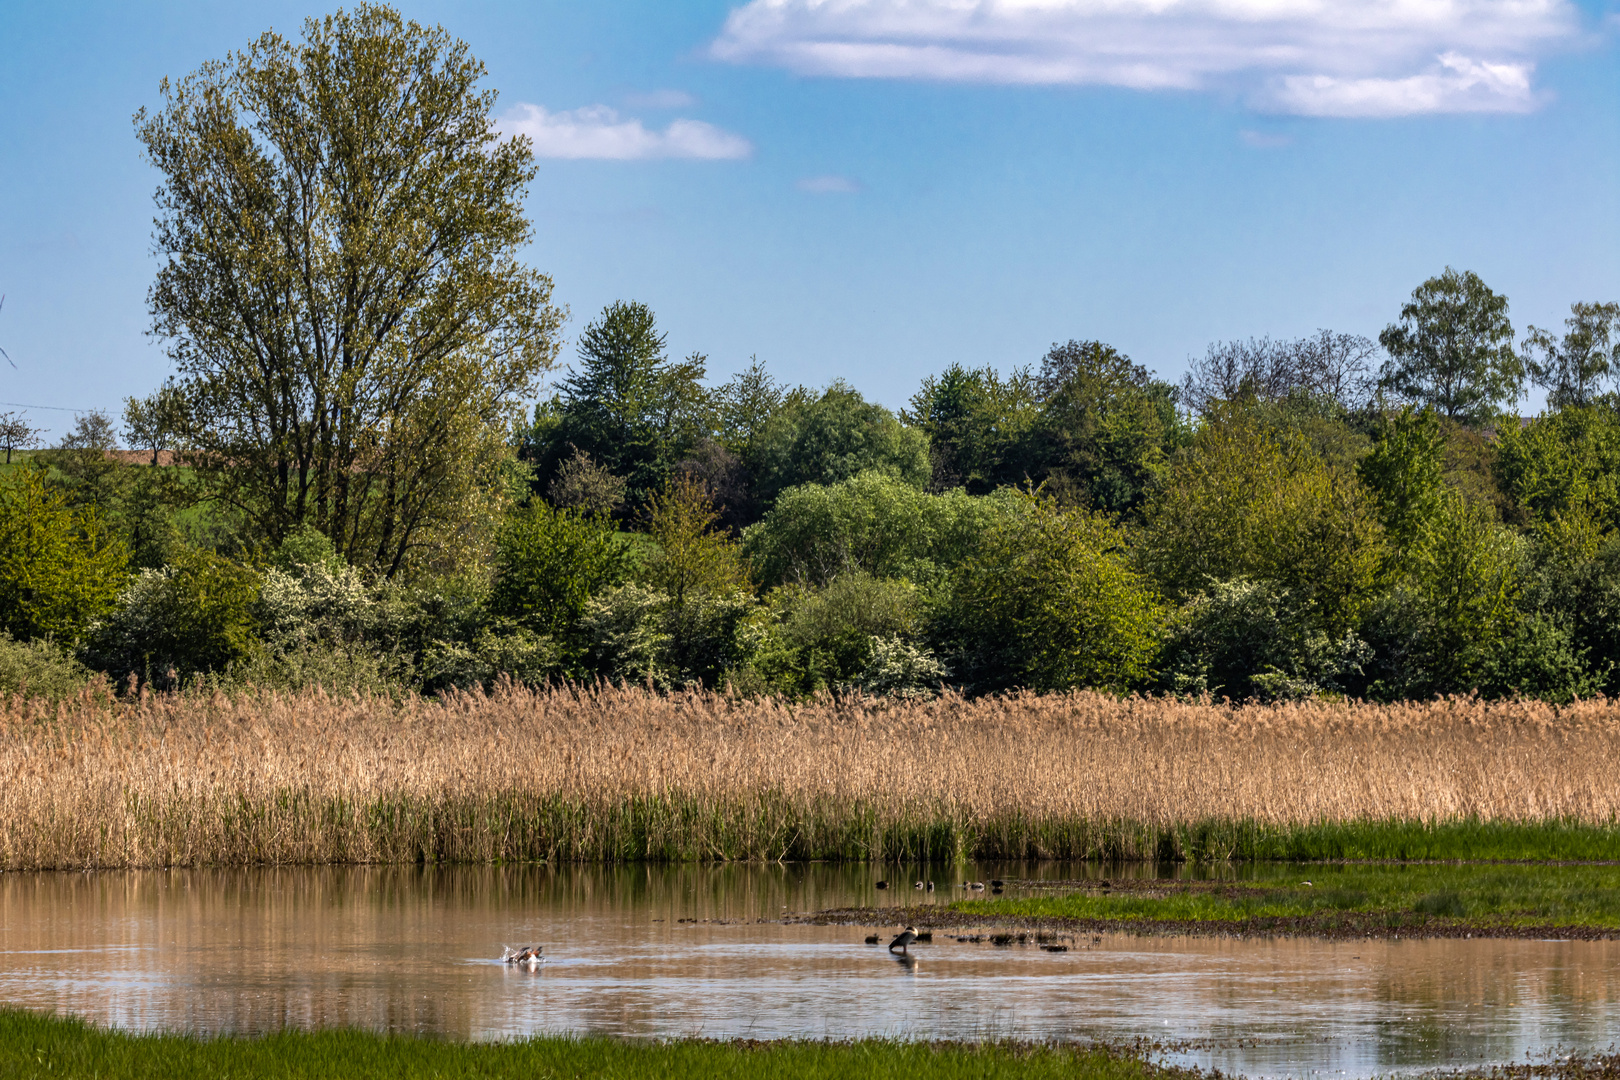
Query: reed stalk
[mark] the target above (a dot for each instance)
(617, 773)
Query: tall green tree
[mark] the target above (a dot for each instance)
(1250, 500)
(835, 436)
(629, 406)
(1573, 369)
(977, 422)
(1106, 427)
(339, 223)
(1453, 350)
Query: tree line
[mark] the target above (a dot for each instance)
(342, 484)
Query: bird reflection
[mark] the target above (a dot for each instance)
(905, 960)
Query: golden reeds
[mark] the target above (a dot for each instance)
(620, 773)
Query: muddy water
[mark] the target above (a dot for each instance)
(410, 950)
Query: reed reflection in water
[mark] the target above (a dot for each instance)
(412, 949)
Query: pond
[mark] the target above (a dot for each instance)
(701, 951)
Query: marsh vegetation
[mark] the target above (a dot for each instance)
(617, 773)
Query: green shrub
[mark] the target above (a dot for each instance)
(1049, 603)
(550, 562)
(1249, 500)
(834, 437)
(515, 652)
(59, 569)
(1250, 639)
(825, 639)
(39, 669)
(194, 616)
(874, 523)
(642, 635)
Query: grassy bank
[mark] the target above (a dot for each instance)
(620, 774)
(1485, 898)
(32, 1045)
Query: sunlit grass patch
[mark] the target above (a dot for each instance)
(33, 1045)
(1502, 896)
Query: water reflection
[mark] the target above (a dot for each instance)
(698, 951)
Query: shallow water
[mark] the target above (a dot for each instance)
(410, 949)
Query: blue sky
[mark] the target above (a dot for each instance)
(872, 189)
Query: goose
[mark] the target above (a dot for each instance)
(930, 886)
(903, 939)
(529, 954)
(882, 885)
(918, 886)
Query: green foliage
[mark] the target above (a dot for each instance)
(1453, 349)
(39, 669)
(857, 632)
(515, 652)
(1562, 472)
(359, 370)
(1405, 471)
(1049, 603)
(59, 569)
(549, 563)
(691, 558)
(874, 522)
(1250, 640)
(33, 1044)
(1105, 430)
(627, 405)
(1572, 369)
(1446, 626)
(833, 437)
(978, 425)
(1249, 500)
(640, 635)
(194, 616)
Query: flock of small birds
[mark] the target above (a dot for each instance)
(996, 886)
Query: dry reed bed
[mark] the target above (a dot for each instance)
(619, 773)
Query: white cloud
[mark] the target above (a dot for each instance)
(1457, 84)
(1263, 140)
(597, 131)
(828, 185)
(660, 99)
(1317, 57)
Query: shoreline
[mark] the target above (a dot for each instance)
(1351, 926)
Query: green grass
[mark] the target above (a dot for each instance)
(34, 1045)
(1502, 896)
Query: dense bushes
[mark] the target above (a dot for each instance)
(1287, 534)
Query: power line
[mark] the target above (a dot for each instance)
(53, 408)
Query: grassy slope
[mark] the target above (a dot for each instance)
(32, 1045)
(1488, 895)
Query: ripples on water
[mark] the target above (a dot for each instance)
(411, 949)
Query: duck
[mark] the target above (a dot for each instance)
(918, 886)
(903, 939)
(930, 886)
(528, 954)
(976, 886)
(882, 885)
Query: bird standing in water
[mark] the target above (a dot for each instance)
(903, 939)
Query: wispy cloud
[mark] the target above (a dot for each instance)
(1312, 57)
(660, 99)
(828, 185)
(598, 131)
(1264, 140)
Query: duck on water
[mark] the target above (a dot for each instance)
(528, 954)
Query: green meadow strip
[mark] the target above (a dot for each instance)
(33, 1045)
